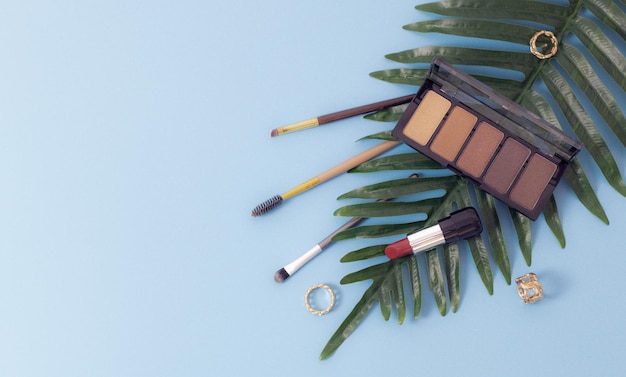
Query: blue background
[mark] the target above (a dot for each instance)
(134, 142)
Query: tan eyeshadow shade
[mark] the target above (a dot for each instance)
(453, 133)
(479, 149)
(426, 118)
(506, 166)
(533, 181)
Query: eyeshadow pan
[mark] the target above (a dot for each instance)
(453, 133)
(533, 181)
(506, 166)
(427, 117)
(479, 150)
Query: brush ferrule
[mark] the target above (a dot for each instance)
(309, 123)
(304, 258)
(426, 239)
(301, 188)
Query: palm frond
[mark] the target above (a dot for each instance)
(571, 91)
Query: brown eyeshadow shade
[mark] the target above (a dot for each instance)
(533, 181)
(506, 166)
(479, 150)
(453, 133)
(426, 118)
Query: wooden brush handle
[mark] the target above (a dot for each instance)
(323, 119)
(356, 160)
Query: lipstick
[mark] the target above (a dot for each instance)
(460, 225)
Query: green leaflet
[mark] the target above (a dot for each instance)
(386, 281)
(601, 47)
(407, 76)
(516, 61)
(472, 28)
(380, 230)
(452, 264)
(585, 77)
(415, 77)
(481, 261)
(534, 11)
(364, 253)
(402, 187)
(406, 161)
(476, 244)
(397, 294)
(551, 214)
(521, 224)
(574, 175)
(386, 209)
(583, 126)
(491, 225)
(357, 314)
(416, 285)
(436, 280)
(391, 114)
(611, 14)
(578, 181)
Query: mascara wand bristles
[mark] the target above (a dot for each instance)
(267, 205)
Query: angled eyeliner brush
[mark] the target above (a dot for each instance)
(291, 268)
(350, 163)
(328, 118)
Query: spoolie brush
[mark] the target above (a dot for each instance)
(267, 205)
(323, 119)
(350, 163)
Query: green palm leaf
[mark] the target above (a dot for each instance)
(570, 91)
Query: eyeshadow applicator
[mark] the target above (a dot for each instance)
(328, 118)
(350, 163)
(291, 268)
(460, 225)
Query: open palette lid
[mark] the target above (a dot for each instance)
(503, 111)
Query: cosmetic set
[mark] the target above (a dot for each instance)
(476, 133)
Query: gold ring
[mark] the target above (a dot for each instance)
(315, 311)
(533, 44)
(529, 288)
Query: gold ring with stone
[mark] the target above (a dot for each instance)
(553, 40)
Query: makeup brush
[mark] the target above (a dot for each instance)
(323, 119)
(291, 268)
(350, 163)
(460, 225)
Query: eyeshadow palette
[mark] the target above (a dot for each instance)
(486, 138)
